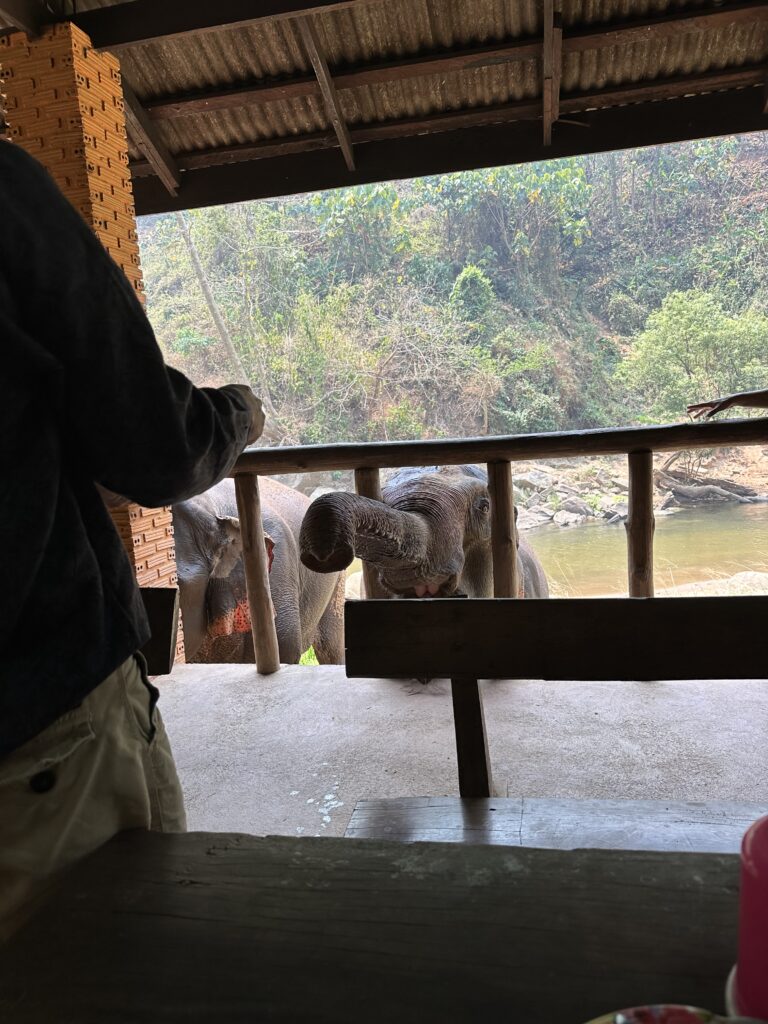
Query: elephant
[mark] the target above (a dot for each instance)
(430, 536)
(308, 607)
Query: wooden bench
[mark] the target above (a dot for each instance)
(571, 639)
(711, 827)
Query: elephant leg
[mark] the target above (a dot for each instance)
(329, 642)
(288, 628)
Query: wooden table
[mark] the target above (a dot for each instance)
(230, 928)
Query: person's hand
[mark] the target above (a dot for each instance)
(709, 409)
(255, 408)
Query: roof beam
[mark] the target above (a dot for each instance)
(722, 113)
(327, 89)
(145, 135)
(25, 15)
(521, 110)
(260, 91)
(144, 21)
(552, 66)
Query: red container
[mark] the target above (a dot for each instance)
(751, 981)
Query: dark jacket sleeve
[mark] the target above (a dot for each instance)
(128, 421)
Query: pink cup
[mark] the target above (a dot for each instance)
(749, 989)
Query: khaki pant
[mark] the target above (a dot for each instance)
(101, 768)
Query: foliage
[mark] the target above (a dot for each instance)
(575, 293)
(691, 347)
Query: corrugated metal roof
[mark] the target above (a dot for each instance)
(368, 33)
(403, 28)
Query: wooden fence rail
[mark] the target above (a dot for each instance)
(638, 443)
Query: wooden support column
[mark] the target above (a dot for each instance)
(64, 106)
(640, 524)
(471, 742)
(368, 485)
(506, 582)
(552, 66)
(257, 574)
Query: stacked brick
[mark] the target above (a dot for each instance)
(63, 104)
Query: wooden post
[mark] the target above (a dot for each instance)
(471, 743)
(503, 535)
(640, 524)
(368, 485)
(257, 574)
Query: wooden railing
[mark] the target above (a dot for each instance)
(638, 443)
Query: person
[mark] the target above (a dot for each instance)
(86, 402)
(752, 399)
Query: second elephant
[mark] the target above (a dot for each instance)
(429, 537)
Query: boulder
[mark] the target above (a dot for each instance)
(533, 480)
(578, 506)
(563, 518)
(527, 519)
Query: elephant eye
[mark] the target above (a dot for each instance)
(483, 505)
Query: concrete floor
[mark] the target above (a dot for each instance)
(290, 754)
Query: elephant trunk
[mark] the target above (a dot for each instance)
(339, 527)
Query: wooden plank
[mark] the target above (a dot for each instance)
(237, 929)
(518, 110)
(257, 574)
(146, 137)
(114, 27)
(490, 140)
(515, 447)
(640, 526)
(368, 485)
(556, 824)
(569, 638)
(473, 761)
(259, 91)
(557, 62)
(327, 89)
(503, 531)
(547, 66)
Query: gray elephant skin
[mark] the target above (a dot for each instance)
(429, 537)
(308, 607)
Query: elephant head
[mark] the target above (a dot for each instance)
(429, 537)
(209, 546)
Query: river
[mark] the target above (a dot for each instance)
(689, 546)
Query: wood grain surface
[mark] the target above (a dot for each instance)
(203, 927)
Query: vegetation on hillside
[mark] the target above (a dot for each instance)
(575, 293)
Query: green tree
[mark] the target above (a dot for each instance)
(692, 349)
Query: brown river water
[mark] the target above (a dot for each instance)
(690, 546)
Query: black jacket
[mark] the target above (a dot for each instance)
(85, 398)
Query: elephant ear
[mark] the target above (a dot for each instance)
(230, 547)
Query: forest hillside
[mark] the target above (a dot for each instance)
(586, 292)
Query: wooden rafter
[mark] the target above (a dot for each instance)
(143, 21)
(572, 103)
(145, 135)
(551, 63)
(260, 91)
(440, 152)
(327, 89)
